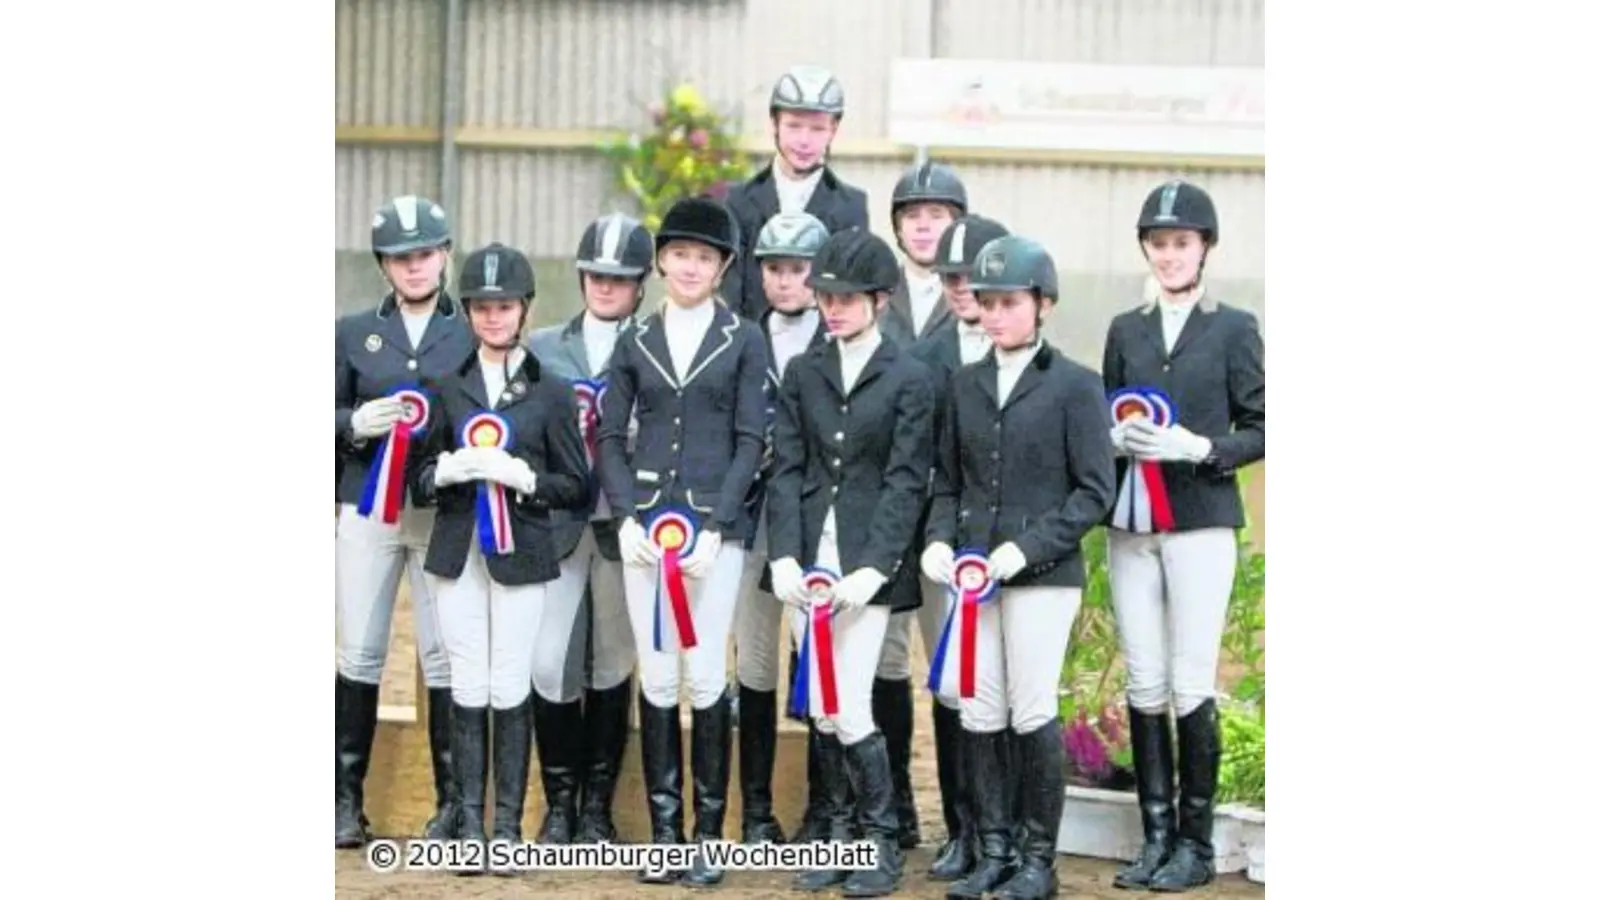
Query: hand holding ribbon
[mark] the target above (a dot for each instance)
(406, 411)
(481, 434)
(857, 589)
(972, 584)
(674, 533)
(1144, 414)
(1172, 443)
(816, 663)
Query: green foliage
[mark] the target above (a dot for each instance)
(1093, 678)
(690, 150)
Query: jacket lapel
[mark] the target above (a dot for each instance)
(718, 338)
(1032, 375)
(989, 379)
(520, 387)
(900, 302)
(940, 315)
(1199, 321)
(651, 339)
(876, 365)
(572, 345)
(444, 319)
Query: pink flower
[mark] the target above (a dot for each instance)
(698, 138)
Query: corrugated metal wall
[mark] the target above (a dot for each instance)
(593, 64)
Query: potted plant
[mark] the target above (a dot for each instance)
(689, 150)
(1101, 816)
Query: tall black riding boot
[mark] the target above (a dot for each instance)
(712, 745)
(1199, 756)
(355, 721)
(983, 756)
(558, 728)
(442, 827)
(512, 733)
(605, 734)
(834, 781)
(1151, 737)
(867, 763)
(1044, 787)
(758, 746)
(469, 751)
(891, 709)
(814, 825)
(661, 750)
(959, 852)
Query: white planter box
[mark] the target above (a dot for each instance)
(1101, 824)
(1253, 838)
(1105, 825)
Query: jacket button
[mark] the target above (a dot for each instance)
(1166, 367)
(676, 420)
(995, 455)
(674, 448)
(411, 364)
(836, 462)
(997, 426)
(838, 435)
(844, 410)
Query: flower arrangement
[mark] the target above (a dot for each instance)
(690, 150)
(1093, 681)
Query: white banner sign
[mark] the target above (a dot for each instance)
(1205, 110)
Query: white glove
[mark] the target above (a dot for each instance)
(938, 562)
(1006, 560)
(1119, 436)
(635, 545)
(706, 547)
(788, 582)
(375, 417)
(1173, 443)
(856, 589)
(503, 468)
(456, 467)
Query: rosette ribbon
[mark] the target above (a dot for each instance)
(589, 394)
(816, 653)
(489, 429)
(953, 671)
(1143, 505)
(385, 490)
(674, 532)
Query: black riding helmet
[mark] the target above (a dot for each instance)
(616, 244)
(961, 242)
(1179, 204)
(700, 219)
(929, 182)
(854, 261)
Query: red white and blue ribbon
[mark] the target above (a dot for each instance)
(385, 490)
(489, 429)
(674, 532)
(953, 670)
(590, 393)
(1143, 505)
(815, 689)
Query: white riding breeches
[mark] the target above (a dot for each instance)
(559, 650)
(489, 632)
(711, 603)
(369, 558)
(757, 628)
(1021, 643)
(858, 638)
(1171, 595)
